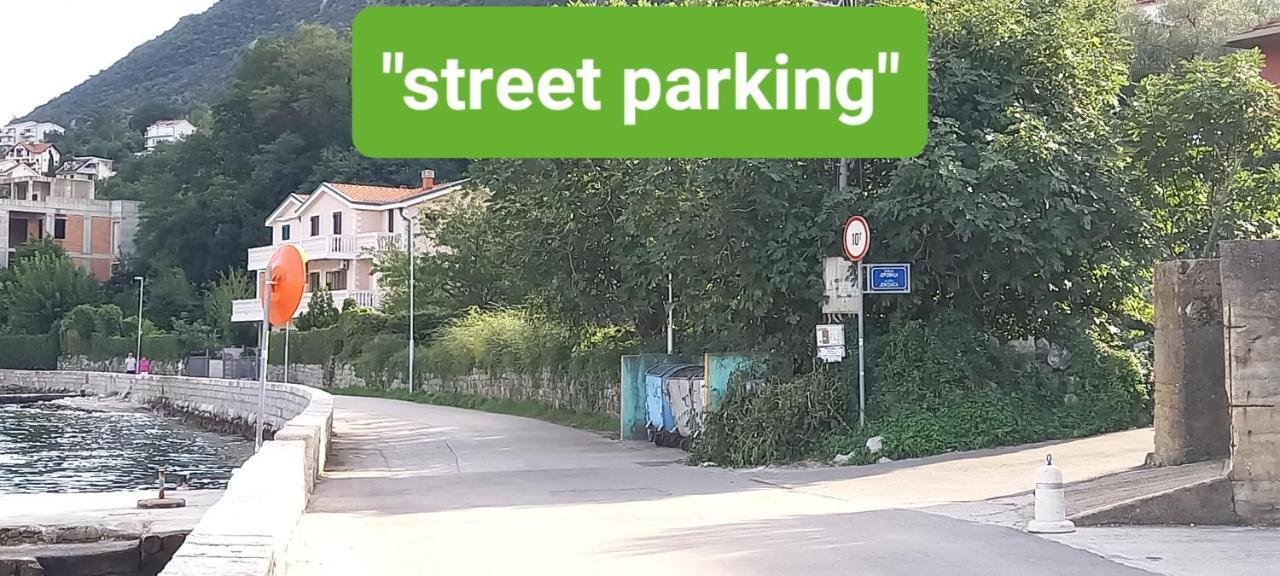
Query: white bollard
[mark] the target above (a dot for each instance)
(1051, 502)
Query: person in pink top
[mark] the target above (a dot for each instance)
(144, 366)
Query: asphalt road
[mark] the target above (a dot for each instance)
(415, 489)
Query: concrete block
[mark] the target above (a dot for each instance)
(1251, 316)
(1191, 418)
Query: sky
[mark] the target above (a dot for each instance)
(75, 39)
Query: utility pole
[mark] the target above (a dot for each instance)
(264, 342)
(408, 228)
(142, 289)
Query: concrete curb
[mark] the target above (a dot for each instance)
(246, 532)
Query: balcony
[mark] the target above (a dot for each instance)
(250, 310)
(331, 248)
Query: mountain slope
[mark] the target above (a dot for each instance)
(192, 61)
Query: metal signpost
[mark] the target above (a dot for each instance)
(857, 240)
(845, 297)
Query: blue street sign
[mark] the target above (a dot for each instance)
(889, 278)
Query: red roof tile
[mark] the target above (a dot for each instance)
(1253, 37)
(366, 194)
(36, 147)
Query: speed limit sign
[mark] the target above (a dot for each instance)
(857, 238)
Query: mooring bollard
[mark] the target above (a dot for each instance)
(161, 501)
(1051, 502)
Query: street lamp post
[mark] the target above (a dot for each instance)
(142, 288)
(408, 228)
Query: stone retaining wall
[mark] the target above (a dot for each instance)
(247, 531)
(551, 389)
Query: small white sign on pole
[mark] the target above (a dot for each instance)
(831, 353)
(830, 335)
(830, 342)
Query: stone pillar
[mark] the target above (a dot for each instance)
(1251, 316)
(1192, 421)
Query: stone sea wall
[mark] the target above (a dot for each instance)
(247, 530)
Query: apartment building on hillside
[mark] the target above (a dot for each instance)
(33, 206)
(339, 228)
(28, 132)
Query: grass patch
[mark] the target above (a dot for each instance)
(527, 408)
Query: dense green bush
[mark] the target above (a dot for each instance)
(28, 352)
(519, 341)
(384, 360)
(320, 313)
(89, 320)
(307, 347)
(775, 420)
(934, 387)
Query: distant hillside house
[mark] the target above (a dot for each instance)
(28, 132)
(168, 131)
(87, 168)
(339, 228)
(1265, 37)
(44, 158)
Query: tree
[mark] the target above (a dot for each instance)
(1171, 32)
(169, 297)
(468, 270)
(104, 133)
(1015, 211)
(218, 296)
(90, 321)
(320, 311)
(45, 288)
(1204, 141)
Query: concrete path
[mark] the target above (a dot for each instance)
(417, 489)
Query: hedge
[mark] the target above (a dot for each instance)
(310, 347)
(24, 352)
(155, 347)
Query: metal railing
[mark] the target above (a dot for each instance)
(250, 310)
(331, 247)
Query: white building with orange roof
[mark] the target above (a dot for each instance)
(339, 228)
(41, 157)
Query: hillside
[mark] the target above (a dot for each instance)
(192, 61)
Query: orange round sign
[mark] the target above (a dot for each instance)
(287, 271)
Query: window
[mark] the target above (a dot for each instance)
(337, 223)
(337, 281)
(313, 281)
(284, 232)
(391, 221)
(315, 225)
(60, 228)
